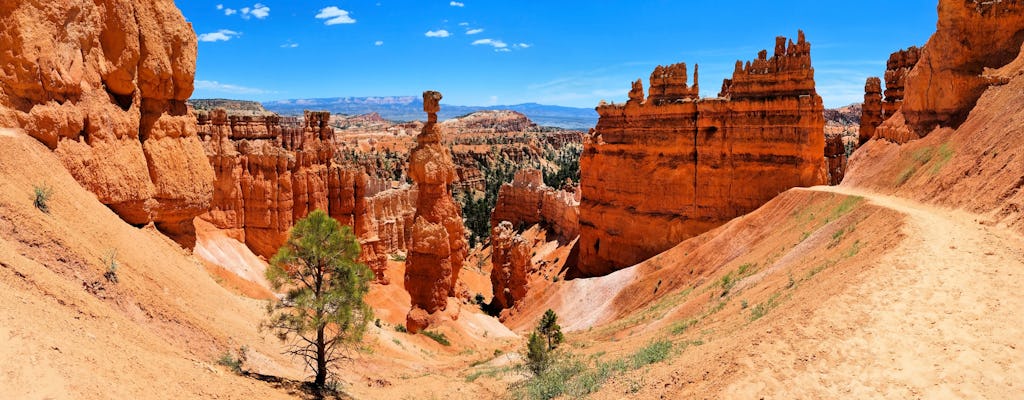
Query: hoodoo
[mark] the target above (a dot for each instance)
(438, 236)
(700, 162)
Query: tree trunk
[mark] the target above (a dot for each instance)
(321, 359)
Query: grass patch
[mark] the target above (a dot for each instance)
(401, 328)
(569, 376)
(653, 353)
(761, 309)
(488, 372)
(905, 175)
(945, 153)
(680, 327)
(845, 206)
(853, 250)
(398, 257)
(438, 337)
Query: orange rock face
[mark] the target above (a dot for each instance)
(527, 201)
(944, 85)
(271, 171)
(438, 236)
(664, 170)
(103, 83)
(510, 257)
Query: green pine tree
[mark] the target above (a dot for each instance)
(323, 310)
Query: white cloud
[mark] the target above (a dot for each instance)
(229, 11)
(378, 43)
(289, 45)
(463, 23)
(260, 11)
(222, 35)
(334, 16)
(491, 42)
(523, 46)
(502, 50)
(457, 4)
(214, 86)
(474, 31)
(220, 6)
(245, 12)
(440, 33)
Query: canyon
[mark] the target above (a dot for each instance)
(703, 161)
(774, 248)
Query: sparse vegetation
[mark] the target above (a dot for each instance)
(42, 197)
(761, 309)
(680, 327)
(398, 257)
(401, 328)
(437, 337)
(568, 375)
(323, 310)
(234, 363)
(110, 261)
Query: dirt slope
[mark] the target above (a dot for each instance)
(69, 333)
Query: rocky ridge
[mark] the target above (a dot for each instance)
(702, 161)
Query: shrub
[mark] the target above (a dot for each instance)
(110, 260)
(401, 328)
(234, 364)
(654, 352)
(438, 337)
(43, 194)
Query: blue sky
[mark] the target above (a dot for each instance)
(572, 53)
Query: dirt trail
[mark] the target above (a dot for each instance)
(940, 317)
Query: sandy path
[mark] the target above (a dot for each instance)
(940, 317)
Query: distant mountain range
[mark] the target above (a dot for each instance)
(409, 108)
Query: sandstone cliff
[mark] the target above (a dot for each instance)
(438, 237)
(947, 77)
(103, 84)
(271, 171)
(656, 172)
(527, 201)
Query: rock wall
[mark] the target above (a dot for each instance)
(103, 83)
(946, 82)
(438, 236)
(271, 171)
(511, 265)
(527, 201)
(656, 172)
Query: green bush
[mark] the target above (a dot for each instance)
(42, 198)
(438, 337)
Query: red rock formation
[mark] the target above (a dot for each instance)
(944, 85)
(527, 201)
(438, 236)
(668, 84)
(271, 171)
(656, 173)
(872, 114)
(510, 257)
(103, 83)
(835, 157)
(896, 70)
